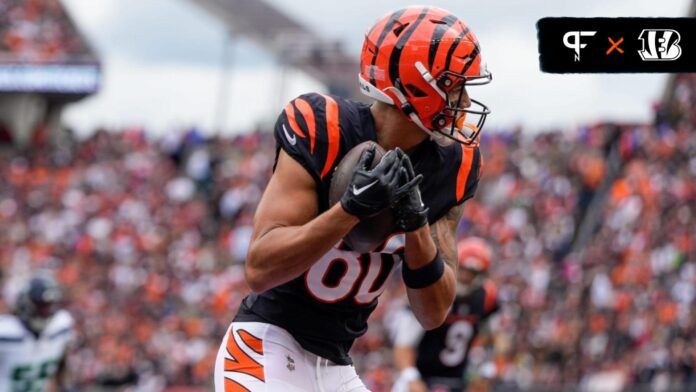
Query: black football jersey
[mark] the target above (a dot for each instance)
(327, 307)
(443, 352)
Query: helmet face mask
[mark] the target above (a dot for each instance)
(451, 121)
(40, 314)
(421, 59)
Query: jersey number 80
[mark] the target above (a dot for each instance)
(354, 269)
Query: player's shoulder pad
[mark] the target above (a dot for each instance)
(469, 166)
(309, 129)
(490, 302)
(11, 329)
(62, 323)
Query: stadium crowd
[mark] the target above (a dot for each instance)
(149, 237)
(38, 31)
(614, 313)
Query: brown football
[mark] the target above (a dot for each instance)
(370, 232)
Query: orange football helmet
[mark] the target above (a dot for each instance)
(418, 58)
(475, 254)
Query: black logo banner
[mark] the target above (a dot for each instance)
(600, 45)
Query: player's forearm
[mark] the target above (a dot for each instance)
(420, 248)
(284, 253)
(429, 304)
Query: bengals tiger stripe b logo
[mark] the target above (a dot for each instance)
(660, 45)
(238, 361)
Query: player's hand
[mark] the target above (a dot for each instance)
(372, 190)
(410, 212)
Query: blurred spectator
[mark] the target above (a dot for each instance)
(38, 31)
(153, 278)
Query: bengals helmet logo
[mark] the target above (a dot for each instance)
(660, 45)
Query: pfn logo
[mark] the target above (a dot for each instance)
(576, 45)
(660, 45)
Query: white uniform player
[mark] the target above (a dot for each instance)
(34, 340)
(28, 361)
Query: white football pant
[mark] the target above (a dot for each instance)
(259, 357)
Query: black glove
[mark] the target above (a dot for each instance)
(410, 212)
(372, 190)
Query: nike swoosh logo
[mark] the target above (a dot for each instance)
(357, 191)
(291, 138)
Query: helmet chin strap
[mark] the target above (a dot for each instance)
(412, 115)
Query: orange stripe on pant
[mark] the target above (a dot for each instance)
(251, 341)
(240, 361)
(233, 386)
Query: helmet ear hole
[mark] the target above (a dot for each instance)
(440, 120)
(445, 82)
(415, 91)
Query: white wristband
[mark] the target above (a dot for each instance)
(409, 374)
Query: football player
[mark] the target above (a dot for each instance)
(34, 340)
(436, 360)
(312, 294)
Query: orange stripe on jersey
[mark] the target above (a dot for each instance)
(308, 114)
(240, 361)
(233, 386)
(251, 341)
(290, 113)
(333, 133)
(464, 171)
(490, 296)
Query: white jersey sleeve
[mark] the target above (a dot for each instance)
(27, 361)
(61, 326)
(12, 337)
(404, 328)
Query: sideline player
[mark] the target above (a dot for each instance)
(34, 340)
(312, 295)
(438, 358)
